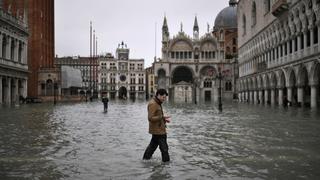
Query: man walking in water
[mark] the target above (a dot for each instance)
(157, 126)
(105, 101)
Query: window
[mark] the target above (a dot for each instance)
(267, 6)
(244, 24)
(254, 14)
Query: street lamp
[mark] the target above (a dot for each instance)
(219, 76)
(54, 91)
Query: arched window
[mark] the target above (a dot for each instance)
(244, 24)
(254, 13)
(267, 6)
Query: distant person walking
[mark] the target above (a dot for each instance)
(157, 126)
(105, 102)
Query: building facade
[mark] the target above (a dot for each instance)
(150, 85)
(13, 54)
(121, 77)
(40, 20)
(89, 71)
(279, 52)
(193, 69)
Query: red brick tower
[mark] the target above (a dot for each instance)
(40, 17)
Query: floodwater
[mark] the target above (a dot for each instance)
(80, 141)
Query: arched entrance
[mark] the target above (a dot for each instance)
(161, 79)
(49, 87)
(182, 74)
(182, 82)
(122, 93)
(207, 76)
(304, 90)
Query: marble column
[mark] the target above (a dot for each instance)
(305, 38)
(15, 97)
(300, 96)
(314, 96)
(260, 96)
(289, 93)
(299, 41)
(16, 50)
(272, 97)
(255, 97)
(1, 101)
(8, 53)
(7, 95)
(1, 42)
(266, 96)
(280, 98)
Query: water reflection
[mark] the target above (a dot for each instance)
(80, 141)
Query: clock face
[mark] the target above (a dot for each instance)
(123, 78)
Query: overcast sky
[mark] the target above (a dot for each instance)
(133, 21)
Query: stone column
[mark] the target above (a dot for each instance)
(1, 42)
(300, 95)
(250, 97)
(293, 44)
(289, 93)
(305, 40)
(239, 97)
(280, 98)
(255, 97)
(299, 41)
(1, 101)
(288, 48)
(16, 50)
(260, 96)
(7, 95)
(272, 97)
(311, 38)
(314, 96)
(15, 96)
(265, 96)
(8, 53)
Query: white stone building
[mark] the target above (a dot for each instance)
(279, 51)
(13, 57)
(121, 77)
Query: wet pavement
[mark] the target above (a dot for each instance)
(80, 141)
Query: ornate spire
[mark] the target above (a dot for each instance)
(233, 2)
(195, 25)
(165, 25)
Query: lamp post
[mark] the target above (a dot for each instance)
(219, 76)
(54, 91)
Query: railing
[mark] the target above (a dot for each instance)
(8, 17)
(13, 64)
(279, 7)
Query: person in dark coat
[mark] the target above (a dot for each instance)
(105, 102)
(157, 127)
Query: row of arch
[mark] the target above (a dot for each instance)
(299, 85)
(11, 89)
(305, 17)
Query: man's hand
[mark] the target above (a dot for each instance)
(167, 119)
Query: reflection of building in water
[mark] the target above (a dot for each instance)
(121, 77)
(189, 66)
(279, 51)
(13, 54)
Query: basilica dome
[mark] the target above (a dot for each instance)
(227, 18)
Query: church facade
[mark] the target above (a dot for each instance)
(193, 69)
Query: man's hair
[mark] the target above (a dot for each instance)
(161, 92)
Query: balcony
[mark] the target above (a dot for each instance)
(279, 6)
